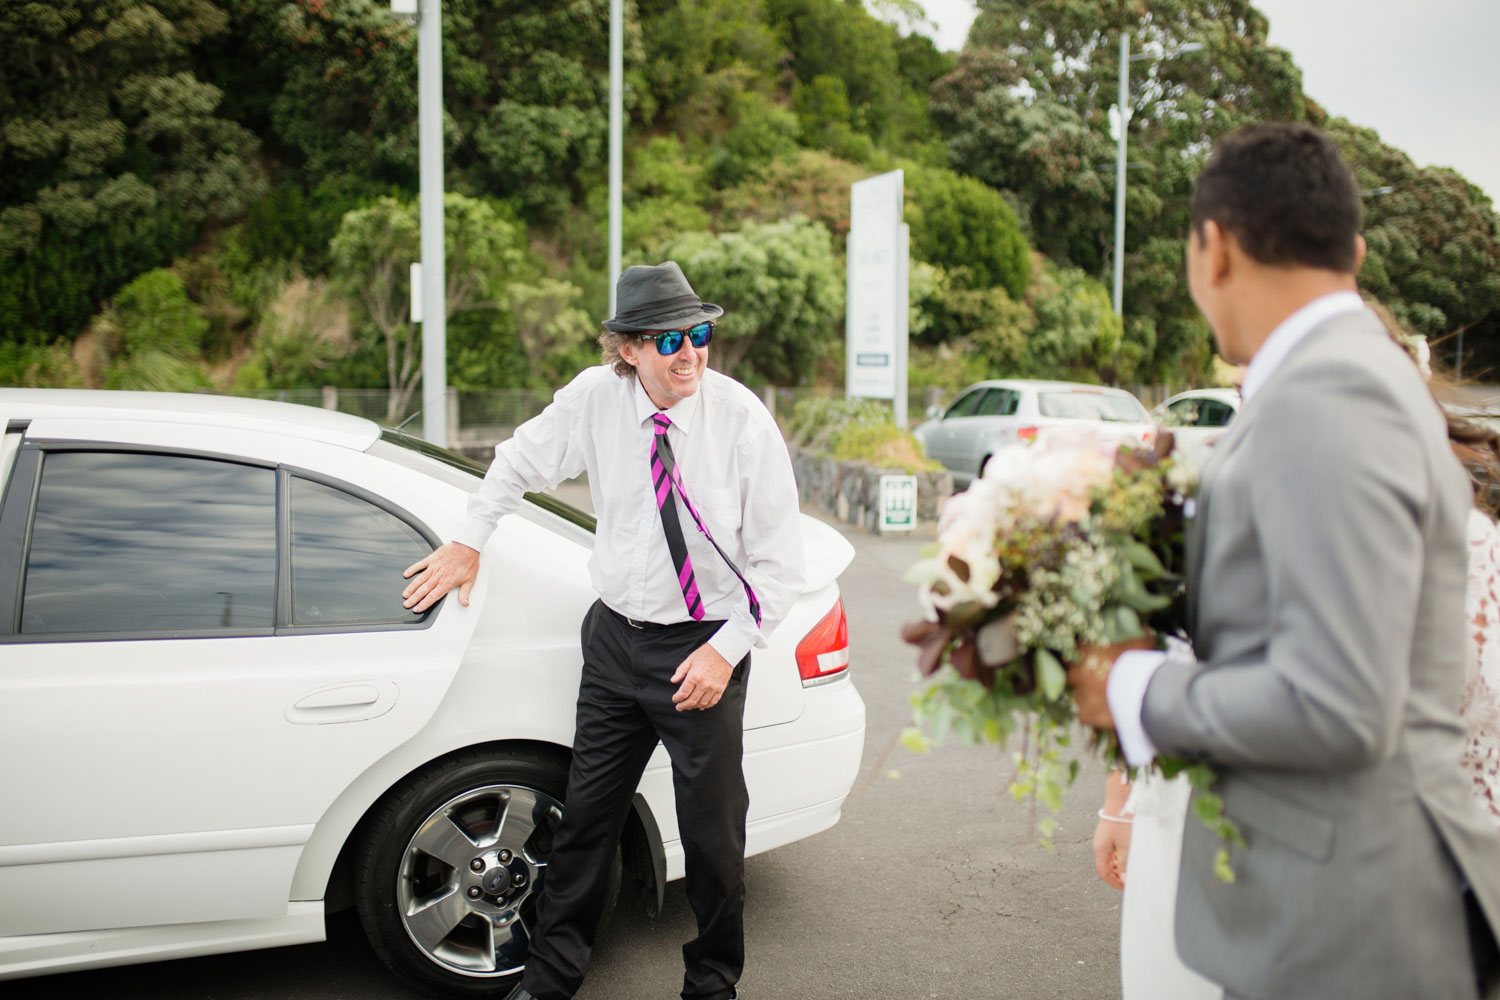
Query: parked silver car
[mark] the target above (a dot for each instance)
(988, 416)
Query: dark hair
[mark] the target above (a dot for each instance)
(1285, 194)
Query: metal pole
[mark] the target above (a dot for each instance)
(616, 127)
(1120, 173)
(434, 267)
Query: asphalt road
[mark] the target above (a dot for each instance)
(931, 886)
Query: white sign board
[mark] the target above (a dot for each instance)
(898, 503)
(875, 317)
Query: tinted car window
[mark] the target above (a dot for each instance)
(966, 405)
(993, 404)
(1213, 413)
(347, 558)
(126, 542)
(1089, 406)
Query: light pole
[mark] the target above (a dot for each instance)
(616, 128)
(1124, 110)
(432, 294)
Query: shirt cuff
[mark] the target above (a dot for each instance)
(474, 533)
(732, 642)
(1126, 691)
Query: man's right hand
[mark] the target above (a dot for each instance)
(452, 565)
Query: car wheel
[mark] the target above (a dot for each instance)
(983, 462)
(449, 871)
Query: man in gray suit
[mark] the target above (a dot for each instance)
(1326, 591)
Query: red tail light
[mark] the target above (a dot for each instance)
(1026, 433)
(823, 653)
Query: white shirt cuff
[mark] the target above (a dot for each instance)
(731, 642)
(475, 533)
(1126, 691)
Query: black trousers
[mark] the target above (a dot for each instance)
(624, 707)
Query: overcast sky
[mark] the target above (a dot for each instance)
(1425, 75)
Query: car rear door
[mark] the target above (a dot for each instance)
(204, 647)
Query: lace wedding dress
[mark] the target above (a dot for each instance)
(1480, 707)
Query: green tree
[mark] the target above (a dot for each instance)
(1076, 333)
(1434, 247)
(112, 152)
(1027, 110)
(782, 289)
(967, 228)
(372, 255)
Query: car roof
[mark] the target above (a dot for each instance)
(1040, 384)
(1231, 396)
(201, 409)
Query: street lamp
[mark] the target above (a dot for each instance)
(432, 295)
(1124, 119)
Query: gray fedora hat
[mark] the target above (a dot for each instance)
(657, 298)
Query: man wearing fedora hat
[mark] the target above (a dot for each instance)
(697, 557)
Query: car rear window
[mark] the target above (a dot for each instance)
(1084, 405)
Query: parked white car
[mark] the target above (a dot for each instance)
(219, 723)
(1197, 418)
(988, 416)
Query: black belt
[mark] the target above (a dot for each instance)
(644, 626)
(652, 626)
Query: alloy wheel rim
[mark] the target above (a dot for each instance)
(469, 878)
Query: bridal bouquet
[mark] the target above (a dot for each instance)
(1066, 543)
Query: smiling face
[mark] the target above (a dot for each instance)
(667, 379)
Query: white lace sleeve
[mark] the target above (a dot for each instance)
(1480, 705)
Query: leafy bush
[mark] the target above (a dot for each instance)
(38, 366)
(855, 430)
(153, 334)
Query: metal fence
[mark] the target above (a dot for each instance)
(478, 418)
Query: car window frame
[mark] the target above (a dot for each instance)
(17, 523)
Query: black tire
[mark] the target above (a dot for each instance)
(413, 881)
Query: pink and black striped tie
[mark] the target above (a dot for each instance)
(667, 480)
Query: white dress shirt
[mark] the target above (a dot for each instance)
(1134, 669)
(734, 467)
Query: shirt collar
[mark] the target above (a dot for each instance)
(1292, 331)
(681, 415)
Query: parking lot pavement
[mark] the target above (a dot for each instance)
(931, 886)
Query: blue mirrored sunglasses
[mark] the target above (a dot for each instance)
(670, 341)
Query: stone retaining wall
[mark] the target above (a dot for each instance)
(850, 491)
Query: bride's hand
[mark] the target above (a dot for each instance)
(1111, 851)
(1112, 835)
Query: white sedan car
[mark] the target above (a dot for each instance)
(988, 416)
(1197, 418)
(220, 724)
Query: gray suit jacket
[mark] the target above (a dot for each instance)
(1326, 585)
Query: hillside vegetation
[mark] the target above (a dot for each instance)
(222, 193)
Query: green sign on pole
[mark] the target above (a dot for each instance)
(898, 503)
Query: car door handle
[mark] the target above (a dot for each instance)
(343, 703)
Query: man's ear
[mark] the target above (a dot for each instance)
(1360, 247)
(628, 347)
(1218, 247)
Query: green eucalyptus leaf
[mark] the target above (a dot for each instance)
(1050, 675)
